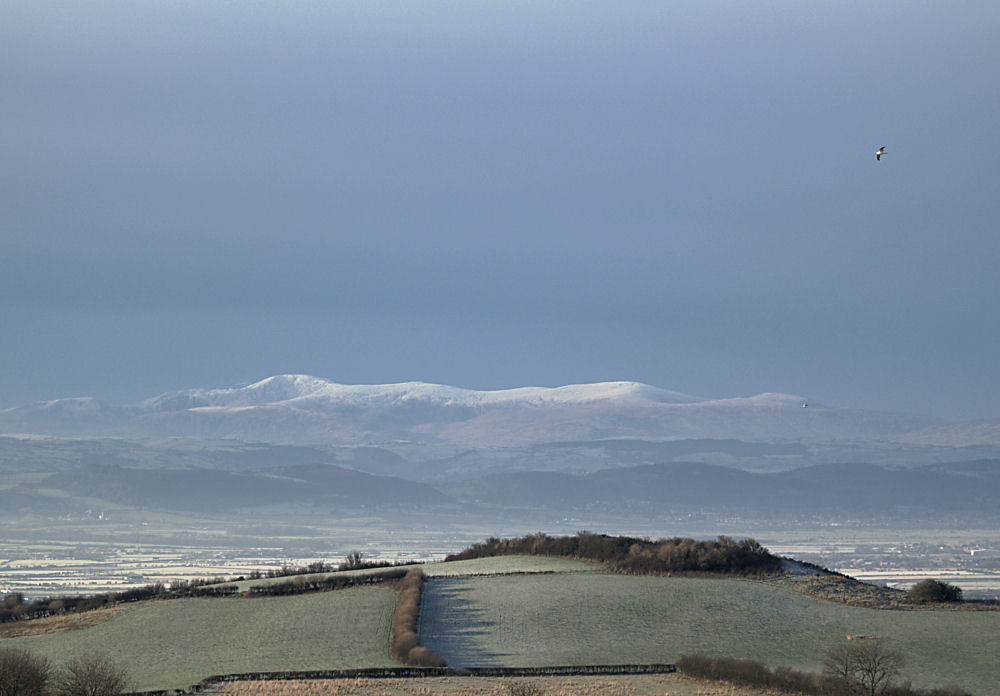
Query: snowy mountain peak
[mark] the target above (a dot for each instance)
(307, 392)
(295, 408)
(275, 389)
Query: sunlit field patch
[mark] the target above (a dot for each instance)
(579, 619)
(173, 644)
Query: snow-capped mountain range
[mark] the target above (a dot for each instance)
(310, 410)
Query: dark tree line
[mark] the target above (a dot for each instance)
(303, 583)
(15, 608)
(641, 556)
(845, 674)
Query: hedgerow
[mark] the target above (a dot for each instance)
(405, 643)
(743, 672)
(640, 556)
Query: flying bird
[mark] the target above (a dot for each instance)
(879, 152)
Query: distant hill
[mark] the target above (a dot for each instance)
(304, 410)
(851, 488)
(208, 490)
(624, 477)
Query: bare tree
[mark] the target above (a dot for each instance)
(354, 560)
(839, 662)
(866, 666)
(91, 675)
(22, 674)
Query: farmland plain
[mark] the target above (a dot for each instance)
(172, 644)
(534, 620)
(114, 549)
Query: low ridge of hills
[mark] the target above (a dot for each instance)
(300, 409)
(201, 489)
(967, 487)
(970, 490)
(301, 440)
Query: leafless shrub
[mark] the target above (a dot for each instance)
(22, 674)
(422, 657)
(868, 666)
(523, 688)
(91, 675)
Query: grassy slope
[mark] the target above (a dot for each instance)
(574, 615)
(176, 643)
(596, 618)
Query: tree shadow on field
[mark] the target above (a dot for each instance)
(453, 627)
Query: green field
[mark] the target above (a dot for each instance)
(532, 620)
(496, 565)
(175, 643)
(511, 564)
(524, 611)
(169, 644)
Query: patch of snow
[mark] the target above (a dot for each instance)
(304, 390)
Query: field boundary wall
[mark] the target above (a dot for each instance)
(415, 672)
(569, 670)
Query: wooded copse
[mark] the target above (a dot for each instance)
(623, 554)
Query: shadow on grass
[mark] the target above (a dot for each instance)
(451, 625)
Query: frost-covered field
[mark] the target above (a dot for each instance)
(499, 565)
(566, 619)
(175, 643)
(631, 685)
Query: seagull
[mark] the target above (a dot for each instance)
(880, 152)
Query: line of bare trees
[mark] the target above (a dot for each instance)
(313, 583)
(23, 673)
(623, 554)
(15, 607)
(851, 668)
(405, 643)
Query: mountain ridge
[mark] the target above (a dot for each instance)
(296, 408)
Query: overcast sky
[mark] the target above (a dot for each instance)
(495, 194)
